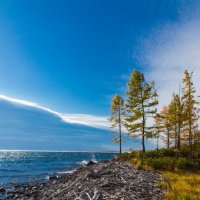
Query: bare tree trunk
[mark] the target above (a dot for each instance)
(179, 138)
(176, 137)
(179, 122)
(190, 123)
(190, 139)
(157, 142)
(143, 132)
(175, 128)
(167, 137)
(143, 144)
(179, 131)
(143, 127)
(120, 132)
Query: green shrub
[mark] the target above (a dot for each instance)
(183, 163)
(185, 152)
(168, 152)
(151, 154)
(158, 164)
(162, 163)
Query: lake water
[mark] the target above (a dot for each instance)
(19, 167)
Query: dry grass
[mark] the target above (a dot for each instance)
(182, 175)
(178, 185)
(182, 186)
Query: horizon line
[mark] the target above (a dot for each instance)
(18, 150)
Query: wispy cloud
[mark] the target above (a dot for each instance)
(169, 49)
(82, 119)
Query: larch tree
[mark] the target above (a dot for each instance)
(196, 140)
(165, 125)
(141, 104)
(158, 129)
(190, 109)
(117, 116)
(176, 118)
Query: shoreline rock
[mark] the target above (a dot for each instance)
(96, 181)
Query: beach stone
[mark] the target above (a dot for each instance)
(53, 178)
(2, 190)
(15, 192)
(90, 163)
(92, 175)
(17, 186)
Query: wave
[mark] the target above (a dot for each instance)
(85, 162)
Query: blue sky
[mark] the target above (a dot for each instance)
(73, 56)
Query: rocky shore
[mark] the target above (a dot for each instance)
(105, 180)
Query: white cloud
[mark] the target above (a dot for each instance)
(89, 120)
(168, 51)
(82, 119)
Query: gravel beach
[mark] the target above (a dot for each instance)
(94, 181)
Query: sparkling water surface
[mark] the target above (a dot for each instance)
(22, 167)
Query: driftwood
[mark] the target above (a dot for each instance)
(97, 195)
(60, 192)
(80, 195)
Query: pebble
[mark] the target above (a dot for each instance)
(107, 180)
(2, 190)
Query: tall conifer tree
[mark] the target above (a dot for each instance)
(176, 118)
(189, 108)
(141, 102)
(117, 114)
(164, 125)
(158, 129)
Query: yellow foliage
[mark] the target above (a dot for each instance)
(182, 186)
(138, 164)
(178, 185)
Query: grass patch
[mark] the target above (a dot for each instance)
(181, 186)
